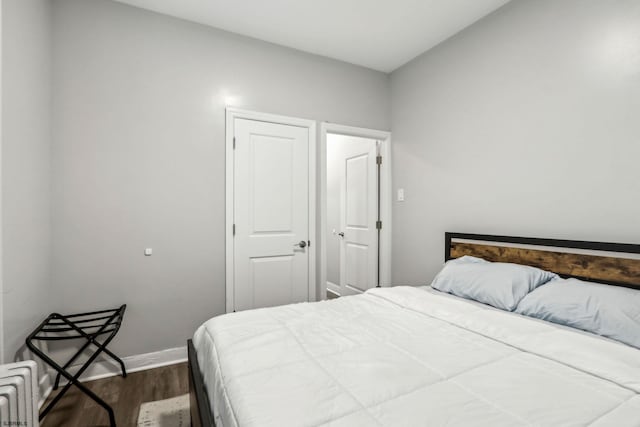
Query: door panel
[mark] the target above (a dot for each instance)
(356, 186)
(359, 205)
(271, 214)
(272, 186)
(357, 271)
(271, 280)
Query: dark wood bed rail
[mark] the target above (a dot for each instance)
(602, 268)
(201, 411)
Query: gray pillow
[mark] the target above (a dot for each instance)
(498, 284)
(605, 310)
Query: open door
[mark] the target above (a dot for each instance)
(358, 177)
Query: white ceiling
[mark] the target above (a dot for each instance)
(378, 34)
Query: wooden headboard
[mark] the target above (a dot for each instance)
(611, 263)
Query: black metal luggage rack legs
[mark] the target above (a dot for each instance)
(88, 326)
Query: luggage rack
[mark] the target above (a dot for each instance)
(88, 326)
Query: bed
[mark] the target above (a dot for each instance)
(407, 356)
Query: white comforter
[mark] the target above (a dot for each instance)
(411, 357)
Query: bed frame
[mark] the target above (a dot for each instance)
(201, 411)
(590, 261)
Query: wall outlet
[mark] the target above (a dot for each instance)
(401, 194)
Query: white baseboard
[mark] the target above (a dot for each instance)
(332, 287)
(45, 387)
(110, 368)
(139, 362)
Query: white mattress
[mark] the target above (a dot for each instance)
(408, 356)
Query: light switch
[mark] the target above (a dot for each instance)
(401, 194)
(148, 252)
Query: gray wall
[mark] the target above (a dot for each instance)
(526, 124)
(138, 157)
(26, 137)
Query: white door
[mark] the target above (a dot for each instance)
(271, 214)
(358, 215)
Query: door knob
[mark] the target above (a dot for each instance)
(341, 234)
(302, 244)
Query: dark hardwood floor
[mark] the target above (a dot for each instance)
(123, 394)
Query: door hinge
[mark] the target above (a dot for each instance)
(234, 229)
(379, 225)
(309, 243)
(379, 159)
(234, 142)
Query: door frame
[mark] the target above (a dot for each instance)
(310, 125)
(385, 198)
(1, 187)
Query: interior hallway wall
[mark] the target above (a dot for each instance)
(334, 143)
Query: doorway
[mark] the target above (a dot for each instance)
(356, 221)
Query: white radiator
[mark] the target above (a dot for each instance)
(19, 392)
